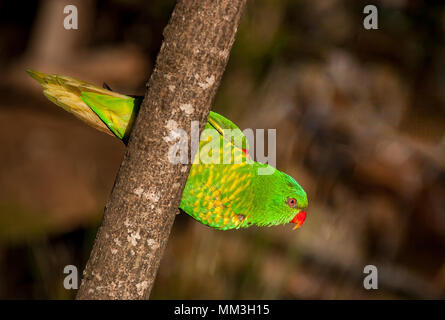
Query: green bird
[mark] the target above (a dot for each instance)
(220, 194)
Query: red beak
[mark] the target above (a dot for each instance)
(299, 219)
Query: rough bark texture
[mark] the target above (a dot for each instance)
(140, 212)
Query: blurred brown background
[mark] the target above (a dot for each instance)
(360, 119)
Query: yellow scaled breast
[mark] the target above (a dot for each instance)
(220, 195)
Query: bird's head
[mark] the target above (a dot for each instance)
(295, 201)
(285, 200)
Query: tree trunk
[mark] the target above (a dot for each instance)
(145, 199)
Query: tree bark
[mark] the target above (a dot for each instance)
(147, 192)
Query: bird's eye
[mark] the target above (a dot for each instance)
(291, 202)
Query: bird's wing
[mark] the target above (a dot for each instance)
(231, 130)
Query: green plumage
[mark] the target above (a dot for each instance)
(222, 196)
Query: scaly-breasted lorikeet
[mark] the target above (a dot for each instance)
(222, 196)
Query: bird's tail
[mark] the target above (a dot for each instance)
(105, 110)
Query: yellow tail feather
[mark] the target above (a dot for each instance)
(66, 93)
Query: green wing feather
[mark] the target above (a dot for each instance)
(224, 125)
